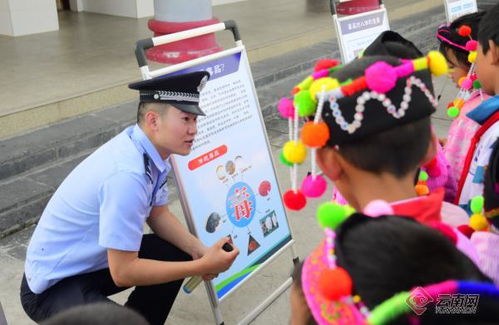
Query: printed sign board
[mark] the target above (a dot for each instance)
(356, 32)
(228, 181)
(457, 8)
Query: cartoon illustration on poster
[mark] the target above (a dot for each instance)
(228, 180)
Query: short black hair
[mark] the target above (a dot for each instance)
(471, 20)
(398, 150)
(143, 108)
(489, 28)
(102, 313)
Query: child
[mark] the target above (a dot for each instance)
(353, 271)
(487, 70)
(453, 47)
(481, 170)
(378, 154)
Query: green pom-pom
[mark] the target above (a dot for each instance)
(346, 82)
(283, 160)
(306, 105)
(477, 84)
(477, 204)
(331, 215)
(423, 176)
(453, 112)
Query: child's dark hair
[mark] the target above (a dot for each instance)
(451, 34)
(489, 28)
(391, 254)
(398, 150)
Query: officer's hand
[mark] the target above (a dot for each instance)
(216, 260)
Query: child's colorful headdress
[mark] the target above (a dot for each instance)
(328, 288)
(320, 96)
(470, 82)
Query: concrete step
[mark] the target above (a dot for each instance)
(32, 165)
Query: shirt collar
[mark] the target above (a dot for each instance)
(140, 138)
(425, 209)
(483, 111)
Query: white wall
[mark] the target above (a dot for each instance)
(124, 8)
(28, 17)
(5, 20)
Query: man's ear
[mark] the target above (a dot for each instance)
(151, 119)
(494, 52)
(328, 160)
(432, 149)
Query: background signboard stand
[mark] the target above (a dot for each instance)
(356, 32)
(457, 8)
(230, 153)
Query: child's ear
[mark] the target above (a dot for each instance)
(328, 161)
(432, 149)
(494, 52)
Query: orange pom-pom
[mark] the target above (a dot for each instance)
(315, 135)
(335, 283)
(422, 189)
(464, 31)
(325, 64)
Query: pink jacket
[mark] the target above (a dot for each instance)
(461, 132)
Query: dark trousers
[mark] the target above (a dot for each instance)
(153, 302)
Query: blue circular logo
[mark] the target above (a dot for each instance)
(240, 204)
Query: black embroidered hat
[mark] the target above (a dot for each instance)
(181, 91)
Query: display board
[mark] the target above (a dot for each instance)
(457, 8)
(228, 181)
(356, 32)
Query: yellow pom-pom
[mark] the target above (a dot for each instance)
(420, 64)
(294, 152)
(472, 56)
(478, 222)
(305, 84)
(437, 63)
(459, 103)
(322, 84)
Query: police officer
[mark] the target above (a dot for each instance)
(89, 242)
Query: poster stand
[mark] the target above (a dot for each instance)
(356, 32)
(457, 8)
(268, 235)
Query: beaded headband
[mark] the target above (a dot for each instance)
(468, 83)
(328, 288)
(310, 95)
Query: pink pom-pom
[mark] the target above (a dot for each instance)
(381, 77)
(313, 186)
(320, 74)
(378, 208)
(286, 108)
(471, 45)
(467, 84)
(294, 200)
(404, 69)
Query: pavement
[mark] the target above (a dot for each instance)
(38, 161)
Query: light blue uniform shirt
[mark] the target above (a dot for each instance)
(103, 203)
